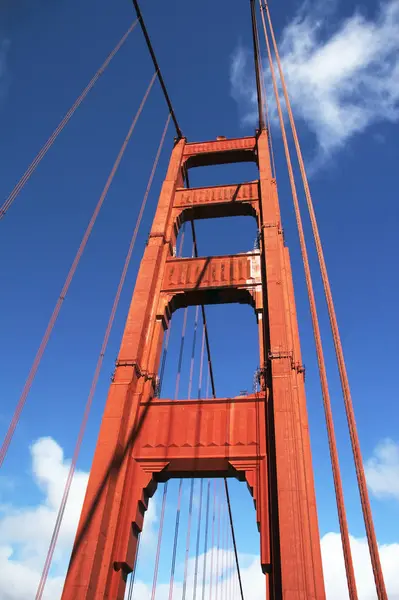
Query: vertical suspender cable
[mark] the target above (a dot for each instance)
(226, 489)
(198, 541)
(190, 381)
(133, 574)
(166, 346)
(350, 575)
(212, 381)
(96, 375)
(34, 164)
(221, 546)
(183, 336)
(227, 559)
(179, 365)
(164, 355)
(206, 540)
(172, 570)
(212, 537)
(207, 384)
(218, 547)
(361, 478)
(51, 323)
(224, 556)
(183, 232)
(201, 363)
(231, 567)
(190, 515)
(161, 522)
(208, 349)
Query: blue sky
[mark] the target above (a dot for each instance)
(342, 65)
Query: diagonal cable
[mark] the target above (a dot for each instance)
(46, 147)
(97, 371)
(68, 281)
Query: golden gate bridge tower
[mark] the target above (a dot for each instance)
(260, 438)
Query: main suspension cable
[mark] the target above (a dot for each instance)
(354, 437)
(97, 371)
(51, 323)
(266, 111)
(43, 151)
(350, 574)
(255, 40)
(156, 67)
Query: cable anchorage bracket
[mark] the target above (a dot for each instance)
(273, 355)
(129, 363)
(295, 365)
(276, 225)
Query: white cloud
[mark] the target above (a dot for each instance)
(334, 570)
(253, 580)
(25, 533)
(148, 535)
(382, 470)
(339, 83)
(333, 565)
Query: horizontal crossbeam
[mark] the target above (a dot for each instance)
(220, 151)
(235, 270)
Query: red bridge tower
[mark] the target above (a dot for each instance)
(262, 439)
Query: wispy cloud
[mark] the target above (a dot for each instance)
(382, 470)
(339, 82)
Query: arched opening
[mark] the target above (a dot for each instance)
(171, 529)
(193, 534)
(223, 174)
(184, 368)
(218, 237)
